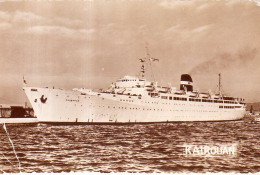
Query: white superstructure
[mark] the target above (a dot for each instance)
(133, 100)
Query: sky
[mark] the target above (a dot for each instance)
(93, 43)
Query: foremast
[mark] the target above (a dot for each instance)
(147, 60)
(219, 86)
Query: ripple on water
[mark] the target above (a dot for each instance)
(129, 148)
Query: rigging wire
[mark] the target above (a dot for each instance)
(19, 164)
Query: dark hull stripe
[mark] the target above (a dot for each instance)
(128, 123)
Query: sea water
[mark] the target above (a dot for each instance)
(130, 148)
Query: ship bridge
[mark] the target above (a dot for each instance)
(131, 82)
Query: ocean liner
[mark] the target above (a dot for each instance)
(133, 99)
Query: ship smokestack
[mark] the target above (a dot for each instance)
(186, 83)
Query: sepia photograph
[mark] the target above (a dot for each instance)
(130, 86)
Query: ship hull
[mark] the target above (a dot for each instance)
(68, 106)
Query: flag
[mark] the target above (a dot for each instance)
(24, 82)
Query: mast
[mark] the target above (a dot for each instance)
(219, 84)
(146, 56)
(149, 59)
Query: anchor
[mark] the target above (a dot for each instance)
(43, 100)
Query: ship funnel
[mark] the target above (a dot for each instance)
(186, 83)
